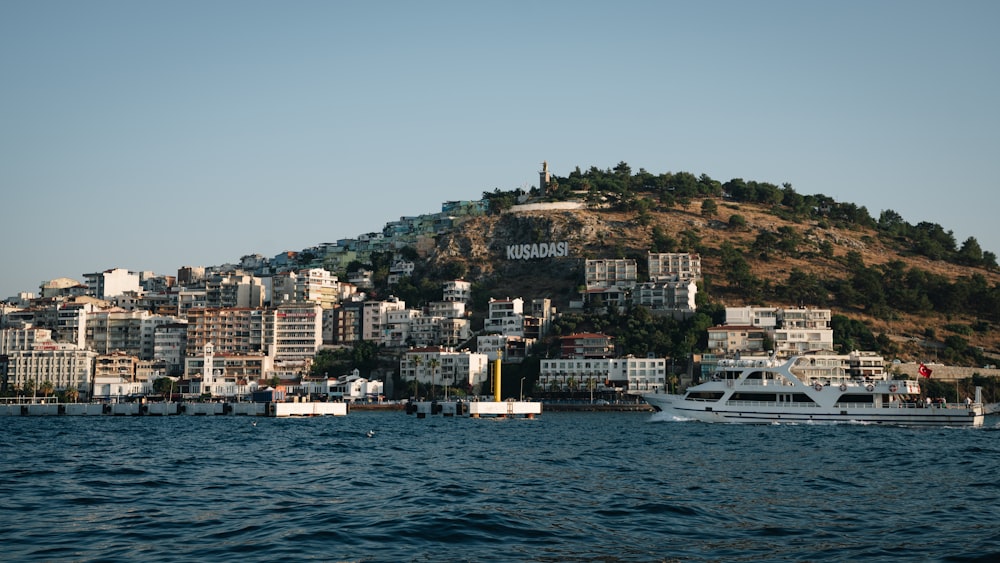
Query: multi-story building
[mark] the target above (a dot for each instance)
(667, 295)
(229, 375)
(728, 340)
(794, 330)
(374, 317)
(346, 326)
(586, 345)
(170, 346)
(62, 287)
(458, 290)
(510, 349)
(13, 339)
(117, 330)
(506, 317)
(621, 273)
(674, 266)
(444, 366)
(294, 332)
(109, 283)
(231, 331)
(234, 290)
(190, 275)
(454, 332)
(317, 285)
(63, 365)
(116, 364)
(642, 374)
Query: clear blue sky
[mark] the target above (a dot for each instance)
(153, 135)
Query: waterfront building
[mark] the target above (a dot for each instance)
(63, 365)
(444, 366)
(600, 374)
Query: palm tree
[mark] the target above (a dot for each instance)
(72, 395)
(433, 363)
(417, 361)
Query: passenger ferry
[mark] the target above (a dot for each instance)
(816, 388)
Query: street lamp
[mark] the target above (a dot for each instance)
(522, 389)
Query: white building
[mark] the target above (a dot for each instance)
(674, 266)
(317, 285)
(63, 365)
(444, 366)
(667, 295)
(109, 283)
(374, 317)
(458, 290)
(794, 330)
(621, 273)
(506, 317)
(634, 374)
(294, 332)
(14, 339)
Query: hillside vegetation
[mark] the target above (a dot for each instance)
(910, 290)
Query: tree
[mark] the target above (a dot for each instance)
(971, 253)
(737, 221)
(46, 388)
(433, 363)
(709, 208)
(163, 385)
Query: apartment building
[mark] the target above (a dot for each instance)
(109, 283)
(674, 266)
(586, 346)
(293, 332)
(506, 317)
(604, 274)
(231, 331)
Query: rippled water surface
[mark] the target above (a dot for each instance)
(580, 486)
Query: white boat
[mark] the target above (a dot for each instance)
(812, 389)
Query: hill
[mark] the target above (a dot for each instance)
(752, 254)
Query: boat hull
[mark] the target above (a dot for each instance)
(896, 415)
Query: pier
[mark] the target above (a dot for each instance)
(274, 409)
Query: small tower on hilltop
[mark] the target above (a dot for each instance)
(543, 177)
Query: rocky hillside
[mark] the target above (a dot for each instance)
(480, 246)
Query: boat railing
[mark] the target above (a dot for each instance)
(741, 403)
(766, 382)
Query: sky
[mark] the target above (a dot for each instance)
(154, 135)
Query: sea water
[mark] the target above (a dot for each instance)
(563, 487)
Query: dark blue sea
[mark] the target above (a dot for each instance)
(563, 487)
